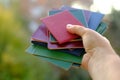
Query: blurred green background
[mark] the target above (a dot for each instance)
(20, 18)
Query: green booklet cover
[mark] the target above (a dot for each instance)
(54, 54)
(59, 63)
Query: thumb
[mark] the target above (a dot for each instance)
(76, 29)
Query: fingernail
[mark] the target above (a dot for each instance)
(69, 25)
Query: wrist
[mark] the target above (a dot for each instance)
(101, 62)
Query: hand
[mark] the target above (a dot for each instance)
(99, 55)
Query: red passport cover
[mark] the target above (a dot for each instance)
(56, 24)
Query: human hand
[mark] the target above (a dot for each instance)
(99, 53)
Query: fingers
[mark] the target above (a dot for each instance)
(76, 29)
(89, 36)
(81, 30)
(85, 60)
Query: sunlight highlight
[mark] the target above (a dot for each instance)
(105, 6)
(76, 5)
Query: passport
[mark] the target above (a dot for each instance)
(77, 13)
(44, 52)
(71, 45)
(102, 27)
(40, 34)
(62, 64)
(95, 20)
(56, 24)
(53, 40)
(75, 52)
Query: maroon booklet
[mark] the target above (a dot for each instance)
(67, 45)
(40, 34)
(56, 24)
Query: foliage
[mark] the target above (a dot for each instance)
(15, 64)
(114, 29)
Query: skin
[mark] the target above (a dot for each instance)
(100, 59)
